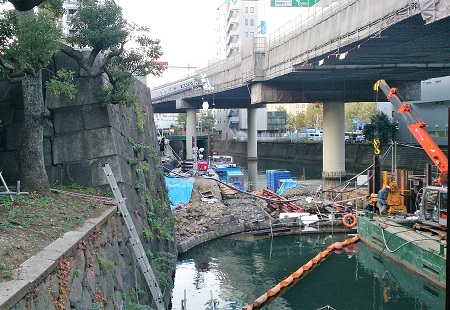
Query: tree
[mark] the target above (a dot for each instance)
(181, 122)
(207, 119)
(27, 42)
(296, 121)
(361, 111)
(100, 27)
(314, 115)
(380, 127)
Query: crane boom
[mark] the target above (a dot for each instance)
(173, 89)
(416, 126)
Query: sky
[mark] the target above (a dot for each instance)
(187, 30)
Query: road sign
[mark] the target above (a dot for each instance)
(293, 3)
(263, 27)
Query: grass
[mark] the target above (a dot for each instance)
(29, 223)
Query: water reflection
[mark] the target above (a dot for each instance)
(236, 271)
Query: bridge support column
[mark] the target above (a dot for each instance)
(333, 140)
(191, 133)
(252, 147)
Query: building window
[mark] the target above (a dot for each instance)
(252, 9)
(252, 34)
(246, 34)
(252, 22)
(303, 106)
(246, 9)
(72, 31)
(246, 22)
(296, 105)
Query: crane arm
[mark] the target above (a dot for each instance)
(416, 126)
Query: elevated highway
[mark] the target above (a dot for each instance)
(334, 55)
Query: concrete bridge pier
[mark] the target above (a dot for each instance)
(333, 140)
(191, 133)
(252, 147)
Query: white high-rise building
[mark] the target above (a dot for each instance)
(71, 7)
(237, 23)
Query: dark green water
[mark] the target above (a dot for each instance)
(237, 271)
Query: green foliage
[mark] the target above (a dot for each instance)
(296, 121)
(139, 119)
(27, 40)
(100, 25)
(140, 148)
(362, 111)
(314, 115)
(62, 83)
(164, 268)
(380, 127)
(118, 93)
(181, 122)
(208, 120)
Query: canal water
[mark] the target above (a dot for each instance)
(238, 269)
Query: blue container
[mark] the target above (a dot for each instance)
(274, 176)
(236, 178)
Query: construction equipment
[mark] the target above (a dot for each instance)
(139, 251)
(416, 126)
(200, 80)
(433, 202)
(394, 199)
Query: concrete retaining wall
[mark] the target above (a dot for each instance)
(358, 156)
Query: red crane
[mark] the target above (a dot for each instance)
(416, 126)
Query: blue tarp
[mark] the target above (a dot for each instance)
(179, 190)
(285, 184)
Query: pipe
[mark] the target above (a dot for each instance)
(297, 274)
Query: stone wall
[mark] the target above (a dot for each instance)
(83, 134)
(90, 268)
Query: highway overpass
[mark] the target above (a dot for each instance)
(334, 56)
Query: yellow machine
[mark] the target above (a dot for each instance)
(394, 199)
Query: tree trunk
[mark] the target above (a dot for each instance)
(32, 168)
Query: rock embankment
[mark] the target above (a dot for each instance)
(231, 208)
(201, 216)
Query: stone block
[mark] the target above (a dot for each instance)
(88, 93)
(99, 143)
(77, 172)
(68, 148)
(9, 164)
(95, 116)
(98, 174)
(62, 61)
(17, 96)
(76, 291)
(55, 174)
(68, 120)
(13, 137)
(47, 150)
(6, 113)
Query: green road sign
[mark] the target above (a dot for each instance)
(293, 3)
